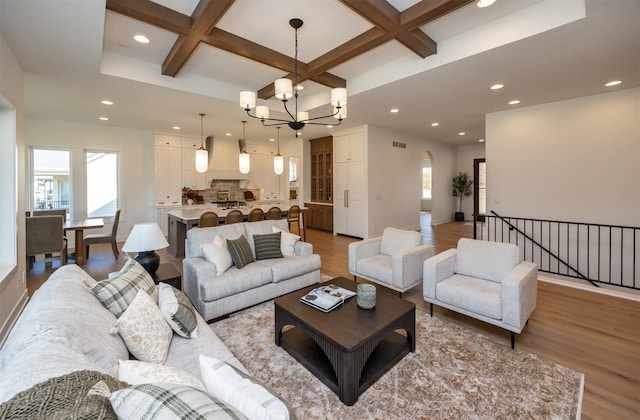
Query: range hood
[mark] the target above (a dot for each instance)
(223, 159)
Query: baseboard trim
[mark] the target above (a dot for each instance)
(15, 314)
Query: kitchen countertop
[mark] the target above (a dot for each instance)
(191, 213)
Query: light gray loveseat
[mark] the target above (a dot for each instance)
(217, 295)
(484, 280)
(64, 329)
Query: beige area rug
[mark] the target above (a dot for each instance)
(454, 373)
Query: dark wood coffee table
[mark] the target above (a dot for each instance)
(349, 348)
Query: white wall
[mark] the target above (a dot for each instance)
(465, 156)
(136, 164)
(573, 160)
(395, 180)
(13, 291)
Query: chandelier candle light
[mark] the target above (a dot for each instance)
(244, 160)
(202, 156)
(284, 89)
(278, 160)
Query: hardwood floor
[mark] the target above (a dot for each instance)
(595, 334)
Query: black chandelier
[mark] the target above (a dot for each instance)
(285, 89)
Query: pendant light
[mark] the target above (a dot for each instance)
(278, 160)
(244, 160)
(202, 156)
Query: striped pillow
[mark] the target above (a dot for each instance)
(242, 392)
(117, 293)
(267, 246)
(240, 251)
(168, 401)
(177, 311)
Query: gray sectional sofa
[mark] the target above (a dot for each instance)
(216, 295)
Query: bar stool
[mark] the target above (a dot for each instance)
(293, 216)
(234, 216)
(256, 215)
(274, 213)
(208, 219)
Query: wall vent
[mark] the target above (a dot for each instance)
(398, 144)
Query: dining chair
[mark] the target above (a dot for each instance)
(293, 216)
(62, 213)
(274, 213)
(234, 216)
(256, 215)
(208, 219)
(104, 238)
(45, 235)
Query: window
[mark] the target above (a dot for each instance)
(293, 170)
(102, 183)
(426, 182)
(50, 175)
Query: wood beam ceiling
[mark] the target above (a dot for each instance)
(389, 24)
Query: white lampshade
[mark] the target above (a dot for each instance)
(262, 111)
(284, 88)
(247, 99)
(302, 116)
(341, 114)
(338, 96)
(244, 162)
(202, 160)
(145, 237)
(278, 164)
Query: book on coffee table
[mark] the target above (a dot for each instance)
(327, 298)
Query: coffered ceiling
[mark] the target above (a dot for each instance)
(433, 60)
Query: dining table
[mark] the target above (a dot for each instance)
(79, 226)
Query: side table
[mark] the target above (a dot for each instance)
(168, 273)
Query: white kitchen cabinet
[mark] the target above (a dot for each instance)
(190, 177)
(163, 219)
(262, 174)
(167, 171)
(349, 184)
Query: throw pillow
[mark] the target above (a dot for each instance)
(65, 397)
(135, 372)
(287, 242)
(267, 246)
(117, 293)
(177, 311)
(144, 330)
(216, 252)
(242, 392)
(240, 251)
(168, 401)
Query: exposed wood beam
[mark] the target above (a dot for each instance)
(426, 11)
(205, 17)
(153, 14)
(418, 42)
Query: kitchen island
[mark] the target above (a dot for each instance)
(181, 220)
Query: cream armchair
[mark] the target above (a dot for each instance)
(393, 260)
(483, 280)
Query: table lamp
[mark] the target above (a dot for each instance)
(144, 239)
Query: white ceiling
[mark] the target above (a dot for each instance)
(75, 53)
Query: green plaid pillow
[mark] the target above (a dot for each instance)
(240, 251)
(168, 401)
(267, 246)
(177, 311)
(117, 293)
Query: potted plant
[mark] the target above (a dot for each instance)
(461, 185)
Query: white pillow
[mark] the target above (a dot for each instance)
(144, 330)
(177, 311)
(216, 252)
(287, 242)
(240, 391)
(135, 372)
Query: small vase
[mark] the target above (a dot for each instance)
(366, 296)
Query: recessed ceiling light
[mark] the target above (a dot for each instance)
(484, 3)
(299, 87)
(514, 102)
(435, 124)
(613, 83)
(104, 119)
(481, 140)
(462, 133)
(141, 39)
(175, 127)
(329, 126)
(106, 102)
(394, 110)
(497, 86)
(272, 139)
(298, 134)
(227, 134)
